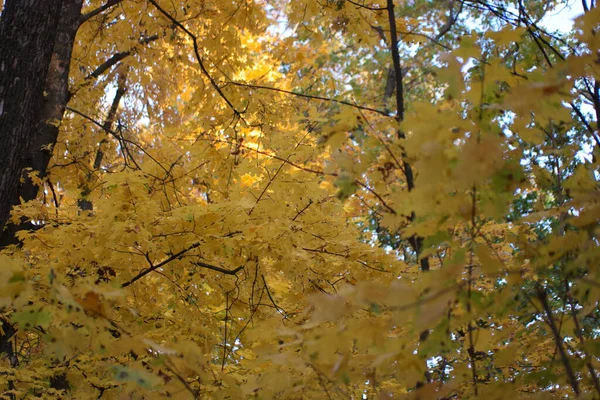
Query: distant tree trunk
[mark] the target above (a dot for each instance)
(27, 34)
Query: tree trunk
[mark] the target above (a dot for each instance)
(27, 33)
(56, 99)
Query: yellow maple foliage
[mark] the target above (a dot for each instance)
(309, 199)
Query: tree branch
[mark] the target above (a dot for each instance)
(120, 138)
(416, 241)
(579, 333)
(543, 297)
(98, 10)
(452, 18)
(585, 123)
(197, 54)
(115, 58)
(310, 96)
(218, 269)
(110, 119)
(397, 67)
(279, 309)
(162, 263)
(365, 6)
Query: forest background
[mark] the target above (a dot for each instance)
(299, 199)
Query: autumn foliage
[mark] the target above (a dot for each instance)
(308, 199)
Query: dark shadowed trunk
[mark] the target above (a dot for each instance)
(50, 114)
(57, 97)
(27, 33)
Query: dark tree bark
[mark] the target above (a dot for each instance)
(51, 112)
(56, 99)
(27, 33)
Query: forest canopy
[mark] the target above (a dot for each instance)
(320, 199)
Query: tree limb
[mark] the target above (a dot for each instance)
(416, 241)
(218, 269)
(160, 264)
(93, 13)
(365, 6)
(197, 54)
(115, 58)
(571, 378)
(310, 96)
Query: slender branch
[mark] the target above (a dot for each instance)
(383, 203)
(543, 297)
(276, 173)
(596, 100)
(93, 13)
(427, 298)
(160, 264)
(177, 374)
(416, 241)
(366, 7)
(579, 334)
(314, 171)
(267, 187)
(225, 333)
(119, 138)
(585, 123)
(197, 54)
(299, 213)
(309, 96)
(396, 63)
(275, 157)
(110, 119)
(331, 253)
(279, 309)
(432, 39)
(470, 328)
(218, 269)
(54, 197)
(115, 58)
(452, 18)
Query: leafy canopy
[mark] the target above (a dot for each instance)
(228, 214)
